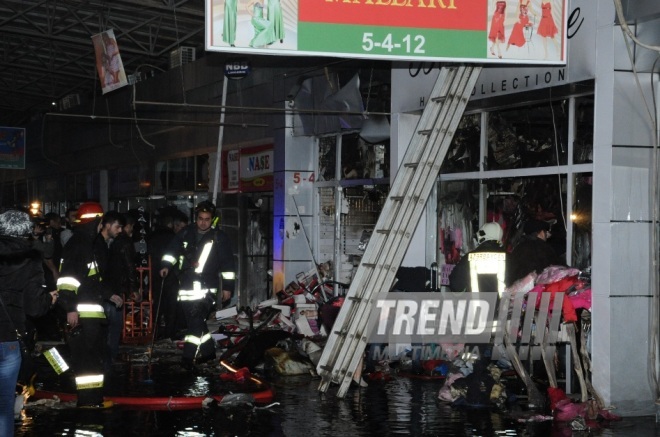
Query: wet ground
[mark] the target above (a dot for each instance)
(402, 406)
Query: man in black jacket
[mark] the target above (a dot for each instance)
(116, 229)
(171, 320)
(82, 293)
(533, 253)
(203, 254)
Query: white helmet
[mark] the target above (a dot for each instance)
(490, 231)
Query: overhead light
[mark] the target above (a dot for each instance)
(54, 103)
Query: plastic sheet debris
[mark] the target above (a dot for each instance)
(236, 400)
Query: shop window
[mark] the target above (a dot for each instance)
(180, 175)
(21, 193)
(509, 202)
(458, 220)
(358, 190)
(123, 181)
(129, 181)
(87, 186)
(50, 190)
(202, 172)
(581, 219)
(361, 160)
(145, 180)
(583, 146)
(161, 177)
(463, 154)
(529, 136)
(14, 194)
(327, 158)
(70, 187)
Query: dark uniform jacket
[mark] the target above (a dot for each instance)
(531, 255)
(203, 258)
(122, 273)
(84, 261)
(21, 286)
(459, 278)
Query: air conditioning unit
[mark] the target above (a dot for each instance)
(69, 101)
(181, 56)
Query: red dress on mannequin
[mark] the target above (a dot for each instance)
(497, 23)
(517, 37)
(547, 27)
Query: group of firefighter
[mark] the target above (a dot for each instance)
(201, 258)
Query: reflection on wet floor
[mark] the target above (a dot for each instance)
(401, 406)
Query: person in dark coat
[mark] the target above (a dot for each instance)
(22, 294)
(203, 254)
(170, 314)
(489, 239)
(82, 294)
(122, 275)
(533, 253)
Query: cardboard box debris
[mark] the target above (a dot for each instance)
(284, 309)
(226, 313)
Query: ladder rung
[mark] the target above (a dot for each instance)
(424, 131)
(438, 99)
(399, 198)
(326, 367)
(383, 231)
(355, 299)
(411, 164)
(369, 265)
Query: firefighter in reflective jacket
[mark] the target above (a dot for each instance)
(82, 293)
(204, 255)
(482, 269)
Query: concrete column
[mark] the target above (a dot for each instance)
(293, 205)
(621, 220)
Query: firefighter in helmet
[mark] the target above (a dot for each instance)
(82, 293)
(205, 258)
(483, 268)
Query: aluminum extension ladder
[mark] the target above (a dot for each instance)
(397, 222)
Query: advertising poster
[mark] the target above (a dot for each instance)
(12, 148)
(108, 61)
(257, 168)
(249, 169)
(484, 31)
(231, 173)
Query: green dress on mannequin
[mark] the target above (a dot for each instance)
(275, 16)
(263, 29)
(229, 29)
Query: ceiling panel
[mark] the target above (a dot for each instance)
(46, 51)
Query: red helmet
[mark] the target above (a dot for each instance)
(88, 211)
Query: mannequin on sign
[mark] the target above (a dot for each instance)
(264, 33)
(229, 24)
